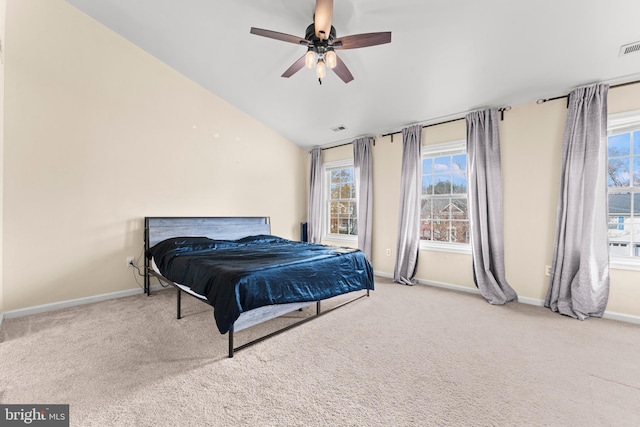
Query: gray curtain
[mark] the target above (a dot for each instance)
(579, 284)
(485, 207)
(409, 215)
(362, 164)
(314, 226)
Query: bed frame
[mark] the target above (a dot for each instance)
(157, 229)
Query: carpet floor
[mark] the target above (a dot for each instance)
(406, 356)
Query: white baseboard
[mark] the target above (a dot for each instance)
(113, 295)
(622, 317)
(525, 300)
(74, 302)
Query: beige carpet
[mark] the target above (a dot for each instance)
(406, 356)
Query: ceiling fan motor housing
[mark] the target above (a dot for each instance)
(310, 35)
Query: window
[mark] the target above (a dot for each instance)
(444, 216)
(623, 179)
(341, 207)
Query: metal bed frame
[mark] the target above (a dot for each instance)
(157, 229)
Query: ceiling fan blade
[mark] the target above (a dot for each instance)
(279, 36)
(322, 18)
(295, 67)
(362, 40)
(342, 71)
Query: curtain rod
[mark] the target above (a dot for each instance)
(543, 100)
(501, 110)
(336, 146)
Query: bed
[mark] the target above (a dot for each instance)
(246, 274)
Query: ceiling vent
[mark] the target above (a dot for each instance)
(338, 128)
(629, 48)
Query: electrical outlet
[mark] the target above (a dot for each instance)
(388, 252)
(547, 270)
(130, 261)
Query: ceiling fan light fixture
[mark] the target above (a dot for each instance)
(331, 58)
(310, 59)
(321, 69)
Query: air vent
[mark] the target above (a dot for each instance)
(338, 128)
(629, 48)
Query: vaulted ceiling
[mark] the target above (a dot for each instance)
(446, 57)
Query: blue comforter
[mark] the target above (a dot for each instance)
(240, 275)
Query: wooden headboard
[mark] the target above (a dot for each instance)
(157, 229)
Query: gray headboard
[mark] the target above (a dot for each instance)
(158, 229)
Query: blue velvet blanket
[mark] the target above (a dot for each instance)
(240, 275)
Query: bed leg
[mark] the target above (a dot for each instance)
(318, 308)
(231, 342)
(179, 314)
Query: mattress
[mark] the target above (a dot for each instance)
(237, 276)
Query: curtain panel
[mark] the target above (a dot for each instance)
(485, 207)
(408, 241)
(579, 284)
(314, 226)
(363, 168)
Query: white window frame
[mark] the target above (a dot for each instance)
(434, 150)
(326, 184)
(628, 121)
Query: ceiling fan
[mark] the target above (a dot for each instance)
(321, 42)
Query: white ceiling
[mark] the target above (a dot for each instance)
(446, 57)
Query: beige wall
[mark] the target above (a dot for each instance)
(100, 134)
(531, 140)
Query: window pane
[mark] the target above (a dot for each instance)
(341, 203)
(441, 209)
(427, 166)
(459, 209)
(618, 172)
(636, 204)
(636, 171)
(619, 204)
(442, 164)
(426, 209)
(335, 191)
(461, 231)
(333, 225)
(441, 231)
(442, 184)
(619, 145)
(427, 185)
(459, 163)
(444, 213)
(636, 142)
(425, 230)
(459, 183)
